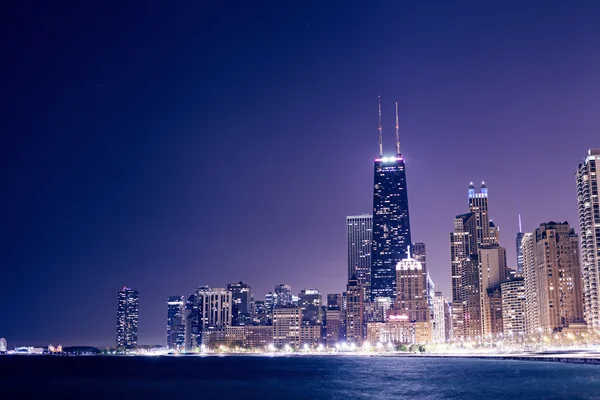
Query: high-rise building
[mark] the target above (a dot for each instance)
(283, 295)
(260, 315)
(391, 222)
(472, 314)
(439, 318)
(355, 311)
(214, 308)
(589, 223)
(359, 236)
(411, 285)
(520, 236)
(127, 318)
(175, 322)
(310, 301)
(193, 336)
(334, 325)
(334, 300)
(287, 321)
(241, 295)
(492, 272)
(486, 232)
(513, 307)
(532, 319)
(463, 246)
(560, 299)
(418, 253)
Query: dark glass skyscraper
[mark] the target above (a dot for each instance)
(175, 322)
(391, 225)
(127, 318)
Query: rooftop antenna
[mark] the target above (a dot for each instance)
(397, 133)
(520, 230)
(380, 129)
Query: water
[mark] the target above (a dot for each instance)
(291, 378)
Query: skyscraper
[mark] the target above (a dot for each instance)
(560, 299)
(355, 311)
(310, 301)
(532, 318)
(589, 224)
(241, 295)
(287, 321)
(359, 236)
(439, 318)
(412, 297)
(283, 295)
(478, 204)
(175, 322)
(513, 307)
(215, 307)
(391, 222)
(520, 236)
(127, 318)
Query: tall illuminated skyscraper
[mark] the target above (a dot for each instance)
(520, 236)
(391, 222)
(589, 224)
(127, 318)
(359, 235)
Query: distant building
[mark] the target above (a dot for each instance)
(241, 295)
(560, 301)
(359, 236)
(175, 322)
(127, 318)
(283, 295)
(411, 284)
(310, 301)
(355, 312)
(260, 315)
(310, 335)
(287, 321)
(334, 300)
(259, 336)
(513, 307)
(215, 308)
(492, 310)
(439, 318)
(588, 199)
(492, 272)
(532, 319)
(519, 242)
(391, 220)
(334, 326)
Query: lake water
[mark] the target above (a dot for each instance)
(290, 378)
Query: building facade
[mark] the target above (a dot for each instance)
(359, 236)
(513, 307)
(391, 224)
(560, 298)
(310, 301)
(588, 201)
(411, 284)
(127, 318)
(439, 318)
(532, 319)
(175, 322)
(355, 312)
(241, 297)
(287, 321)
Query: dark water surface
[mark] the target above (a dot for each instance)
(290, 378)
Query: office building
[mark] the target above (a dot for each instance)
(287, 321)
(127, 318)
(391, 221)
(532, 320)
(259, 336)
(355, 312)
(439, 318)
(215, 307)
(334, 326)
(283, 295)
(241, 296)
(492, 272)
(310, 301)
(589, 224)
(560, 298)
(411, 284)
(359, 235)
(175, 322)
(334, 300)
(513, 307)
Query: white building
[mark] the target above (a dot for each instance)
(589, 224)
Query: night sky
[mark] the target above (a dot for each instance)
(168, 146)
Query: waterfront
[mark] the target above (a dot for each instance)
(294, 377)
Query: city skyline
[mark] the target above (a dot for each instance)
(115, 177)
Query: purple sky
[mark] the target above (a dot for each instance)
(168, 148)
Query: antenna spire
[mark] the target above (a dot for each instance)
(520, 230)
(380, 129)
(397, 133)
(408, 251)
